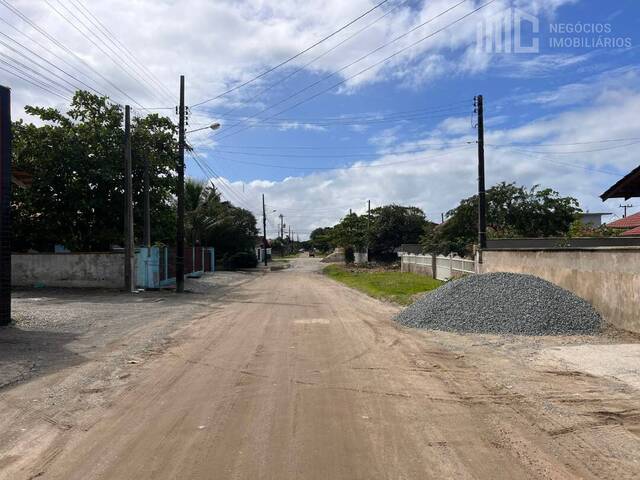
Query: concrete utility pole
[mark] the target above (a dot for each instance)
(147, 205)
(128, 205)
(180, 195)
(281, 235)
(264, 230)
(368, 227)
(482, 201)
(5, 206)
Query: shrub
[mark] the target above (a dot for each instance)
(240, 260)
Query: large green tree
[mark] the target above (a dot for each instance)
(393, 225)
(76, 159)
(512, 211)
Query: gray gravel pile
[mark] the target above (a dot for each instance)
(502, 303)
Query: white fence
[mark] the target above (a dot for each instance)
(440, 267)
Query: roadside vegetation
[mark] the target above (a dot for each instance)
(390, 285)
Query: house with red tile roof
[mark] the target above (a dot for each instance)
(630, 225)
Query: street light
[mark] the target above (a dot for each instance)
(213, 126)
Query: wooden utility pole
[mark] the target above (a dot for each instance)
(5, 206)
(264, 230)
(625, 206)
(180, 195)
(482, 201)
(129, 270)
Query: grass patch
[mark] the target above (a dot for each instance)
(395, 286)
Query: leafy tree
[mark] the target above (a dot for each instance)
(393, 225)
(321, 239)
(76, 159)
(512, 211)
(350, 232)
(213, 222)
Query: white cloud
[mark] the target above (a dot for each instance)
(436, 178)
(218, 44)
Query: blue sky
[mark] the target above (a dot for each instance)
(403, 130)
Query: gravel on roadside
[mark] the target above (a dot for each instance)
(508, 303)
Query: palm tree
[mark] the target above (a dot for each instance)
(199, 200)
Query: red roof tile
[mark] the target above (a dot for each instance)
(631, 221)
(633, 231)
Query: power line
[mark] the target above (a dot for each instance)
(133, 75)
(356, 117)
(35, 74)
(33, 82)
(281, 64)
(335, 155)
(346, 167)
(54, 54)
(571, 152)
(60, 45)
(116, 42)
(315, 59)
(384, 60)
(336, 72)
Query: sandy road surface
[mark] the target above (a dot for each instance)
(293, 376)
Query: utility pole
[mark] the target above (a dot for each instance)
(482, 201)
(128, 204)
(180, 195)
(281, 235)
(625, 206)
(5, 206)
(146, 237)
(368, 227)
(442, 217)
(264, 230)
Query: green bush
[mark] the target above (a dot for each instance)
(240, 260)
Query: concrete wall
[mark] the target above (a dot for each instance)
(416, 268)
(607, 277)
(337, 256)
(103, 270)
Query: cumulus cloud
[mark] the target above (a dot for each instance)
(555, 151)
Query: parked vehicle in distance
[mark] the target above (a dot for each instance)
(312, 253)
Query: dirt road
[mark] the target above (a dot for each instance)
(293, 376)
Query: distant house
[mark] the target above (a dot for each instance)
(260, 249)
(593, 219)
(628, 226)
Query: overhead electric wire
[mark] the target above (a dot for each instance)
(223, 184)
(350, 122)
(335, 155)
(133, 75)
(315, 59)
(336, 72)
(54, 54)
(571, 152)
(572, 165)
(115, 41)
(344, 167)
(40, 66)
(364, 116)
(33, 82)
(60, 45)
(52, 83)
(290, 59)
(384, 60)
